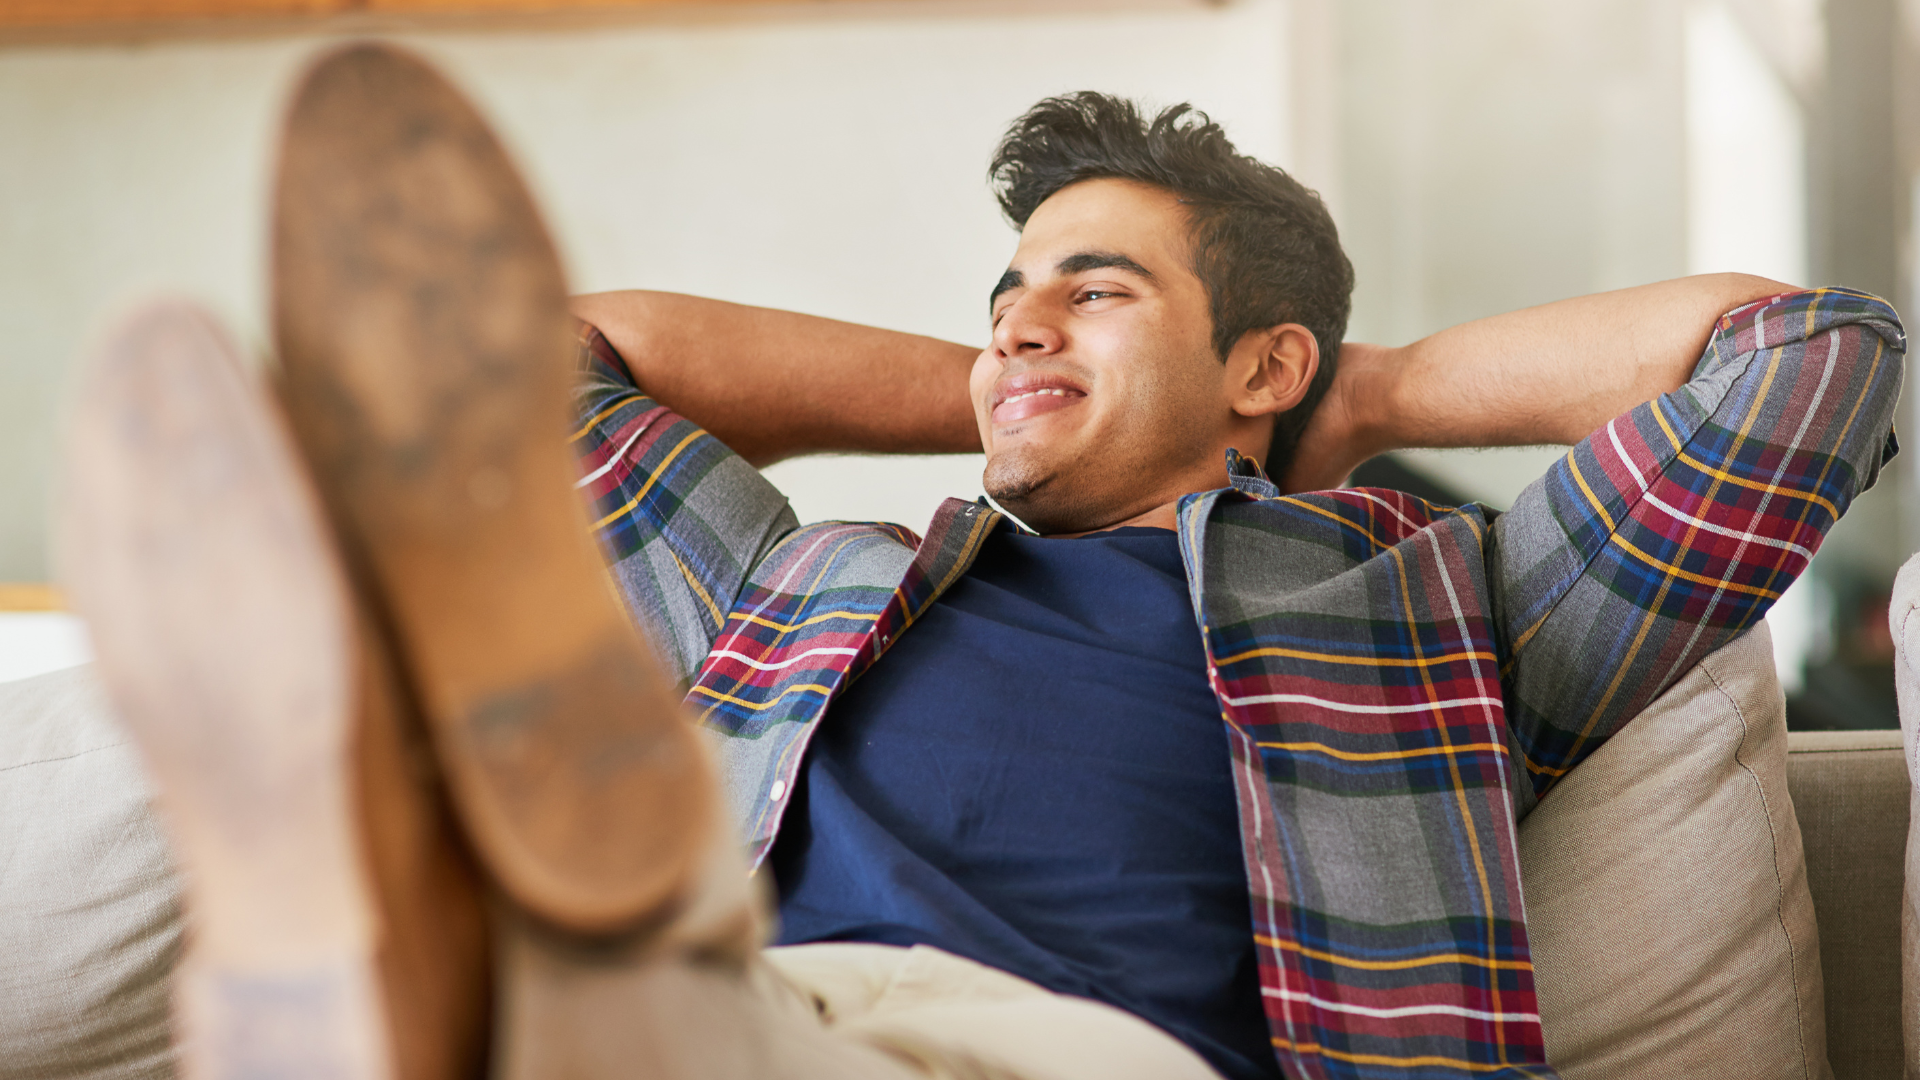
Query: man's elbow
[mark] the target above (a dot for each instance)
(631, 320)
(1738, 290)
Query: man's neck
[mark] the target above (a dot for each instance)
(1164, 516)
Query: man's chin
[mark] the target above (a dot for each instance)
(1010, 480)
(1040, 497)
(1021, 485)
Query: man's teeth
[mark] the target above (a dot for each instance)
(1036, 393)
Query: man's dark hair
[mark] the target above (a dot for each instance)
(1264, 246)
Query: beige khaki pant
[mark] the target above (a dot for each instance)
(822, 1012)
(90, 928)
(927, 1004)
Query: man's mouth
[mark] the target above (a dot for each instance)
(1020, 402)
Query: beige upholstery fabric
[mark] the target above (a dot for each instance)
(1673, 932)
(1905, 623)
(1850, 793)
(89, 909)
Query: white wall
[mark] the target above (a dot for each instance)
(833, 165)
(1746, 155)
(1502, 153)
(1480, 156)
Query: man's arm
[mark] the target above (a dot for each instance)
(1548, 374)
(1672, 528)
(773, 384)
(681, 520)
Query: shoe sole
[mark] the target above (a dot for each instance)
(421, 321)
(194, 547)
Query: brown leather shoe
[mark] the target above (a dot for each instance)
(335, 922)
(421, 320)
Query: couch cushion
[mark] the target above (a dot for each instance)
(1667, 903)
(91, 922)
(1850, 793)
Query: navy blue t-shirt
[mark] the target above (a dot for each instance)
(1036, 777)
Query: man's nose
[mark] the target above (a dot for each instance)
(1027, 327)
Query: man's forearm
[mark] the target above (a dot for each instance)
(773, 384)
(1549, 374)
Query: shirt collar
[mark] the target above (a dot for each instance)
(1245, 475)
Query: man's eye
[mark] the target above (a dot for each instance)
(1095, 294)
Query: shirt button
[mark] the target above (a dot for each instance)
(779, 789)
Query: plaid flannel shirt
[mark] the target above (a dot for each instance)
(1400, 682)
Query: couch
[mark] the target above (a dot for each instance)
(1708, 895)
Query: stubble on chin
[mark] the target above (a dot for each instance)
(1034, 492)
(1012, 478)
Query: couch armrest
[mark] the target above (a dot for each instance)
(1850, 793)
(1903, 617)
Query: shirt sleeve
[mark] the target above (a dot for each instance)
(1670, 531)
(681, 519)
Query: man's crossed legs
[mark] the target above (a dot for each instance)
(437, 807)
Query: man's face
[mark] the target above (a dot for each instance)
(1101, 396)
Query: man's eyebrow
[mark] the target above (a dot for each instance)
(1012, 279)
(1081, 262)
(1078, 263)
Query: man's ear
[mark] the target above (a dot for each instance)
(1269, 370)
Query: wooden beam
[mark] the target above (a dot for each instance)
(69, 14)
(24, 13)
(30, 596)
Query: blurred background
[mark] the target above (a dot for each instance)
(829, 156)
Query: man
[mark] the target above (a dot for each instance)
(1188, 777)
